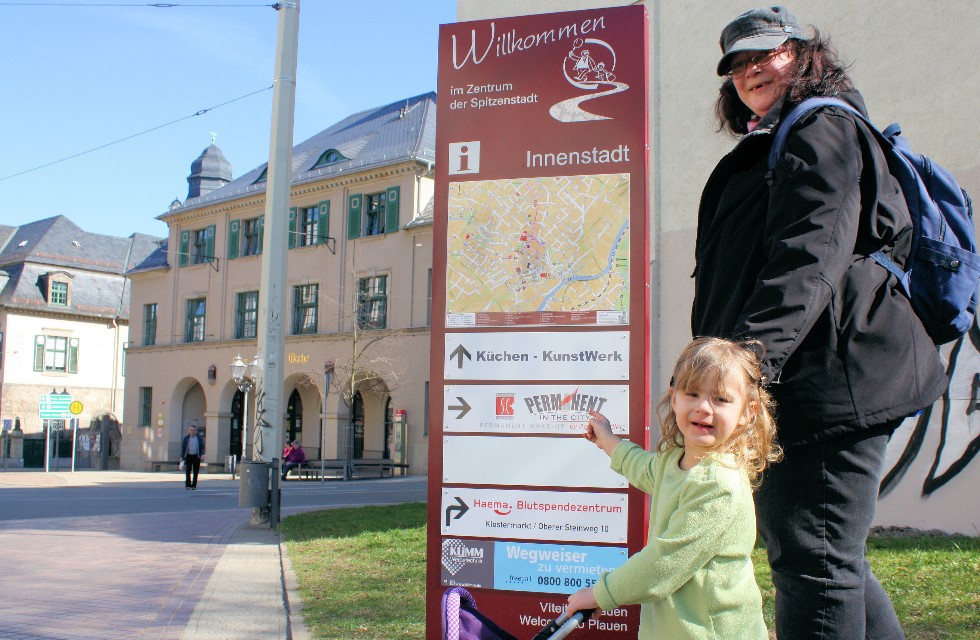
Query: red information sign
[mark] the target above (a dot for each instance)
(540, 297)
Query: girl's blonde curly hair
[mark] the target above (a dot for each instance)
(716, 360)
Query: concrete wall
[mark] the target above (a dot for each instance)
(915, 63)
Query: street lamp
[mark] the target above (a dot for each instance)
(241, 371)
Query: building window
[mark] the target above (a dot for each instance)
(307, 228)
(146, 406)
(58, 294)
(55, 353)
(196, 310)
(372, 302)
(374, 214)
(305, 298)
(247, 325)
(199, 246)
(196, 246)
(149, 324)
(425, 411)
(428, 300)
(251, 237)
(330, 156)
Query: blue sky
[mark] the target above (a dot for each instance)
(78, 77)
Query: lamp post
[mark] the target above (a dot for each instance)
(241, 371)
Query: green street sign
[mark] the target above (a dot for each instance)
(55, 406)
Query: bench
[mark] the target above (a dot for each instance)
(378, 468)
(174, 465)
(164, 465)
(312, 469)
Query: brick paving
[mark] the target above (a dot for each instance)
(107, 577)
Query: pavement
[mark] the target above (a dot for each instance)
(236, 583)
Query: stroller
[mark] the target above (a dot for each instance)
(462, 621)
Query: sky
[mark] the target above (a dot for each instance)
(82, 77)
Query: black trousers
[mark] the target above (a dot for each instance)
(192, 467)
(814, 510)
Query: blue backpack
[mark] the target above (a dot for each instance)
(943, 269)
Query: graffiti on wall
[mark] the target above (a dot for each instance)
(959, 440)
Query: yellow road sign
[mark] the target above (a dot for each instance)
(75, 407)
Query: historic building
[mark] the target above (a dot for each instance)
(358, 286)
(64, 322)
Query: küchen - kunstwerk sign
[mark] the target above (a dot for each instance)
(540, 311)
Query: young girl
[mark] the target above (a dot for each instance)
(694, 578)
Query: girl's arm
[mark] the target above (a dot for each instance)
(599, 432)
(705, 520)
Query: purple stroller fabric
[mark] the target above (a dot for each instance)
(462, 621)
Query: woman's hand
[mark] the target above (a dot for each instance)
(581, 599)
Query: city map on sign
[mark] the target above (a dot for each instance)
(538, 251)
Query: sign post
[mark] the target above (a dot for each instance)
(540, 308)
(53, 407)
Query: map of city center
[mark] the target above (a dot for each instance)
(547, 250)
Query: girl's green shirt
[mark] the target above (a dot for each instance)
(694, 578)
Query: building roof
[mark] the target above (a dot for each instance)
(397, 132)
(95, 264)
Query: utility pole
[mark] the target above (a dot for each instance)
(268, 433)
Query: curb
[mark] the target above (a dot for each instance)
(296, 628)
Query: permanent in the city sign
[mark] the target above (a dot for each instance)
(540, 311)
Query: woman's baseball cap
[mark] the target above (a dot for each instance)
(757, 30)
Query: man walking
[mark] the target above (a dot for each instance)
(191, 452)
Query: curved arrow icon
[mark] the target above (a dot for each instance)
(461, 507)
(464, 407)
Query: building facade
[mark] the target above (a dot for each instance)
(64, 322)
(358, 285)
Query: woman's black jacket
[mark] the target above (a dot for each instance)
(787, 264)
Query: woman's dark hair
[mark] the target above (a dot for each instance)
(818, 72)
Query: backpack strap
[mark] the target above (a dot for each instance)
(884, 139)
(798, 113)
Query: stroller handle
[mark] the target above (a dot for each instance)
(564, 624)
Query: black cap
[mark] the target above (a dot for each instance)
(757, 30)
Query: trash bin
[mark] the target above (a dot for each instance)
(253, 488)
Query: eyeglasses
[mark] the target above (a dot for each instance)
(760, 59)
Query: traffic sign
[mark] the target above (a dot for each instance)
(75, 407)
(55, 406)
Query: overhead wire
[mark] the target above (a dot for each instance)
(154, 5)
(130, 137)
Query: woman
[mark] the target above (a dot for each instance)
(784, 261)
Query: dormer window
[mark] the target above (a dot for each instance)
(58, 295)
(262, 176)
(58, 289)
(330, 156)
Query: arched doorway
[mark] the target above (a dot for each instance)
(389, 416)
(294, 417)
(235, 434)
(357, 424)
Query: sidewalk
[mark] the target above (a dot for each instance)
(252, 592)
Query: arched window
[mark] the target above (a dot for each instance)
(330, 156)
(294, 417)
(235, 435)
(357, 427)
(389, 415)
